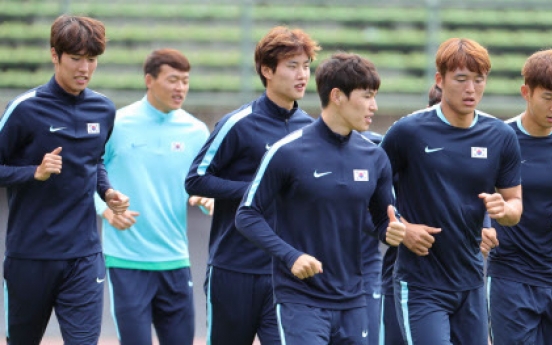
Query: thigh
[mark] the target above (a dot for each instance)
(29, 293)
(267, 330)
(131, 293)
(469, 322)
(173, 307)
(351, 327)
(390, 331)
(79, 302)
(422, 314)
(513, 317)
(231, 318)
(301, 324)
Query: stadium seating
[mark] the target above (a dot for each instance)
(211, 34)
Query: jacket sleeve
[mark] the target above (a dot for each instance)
(221, 149)
(382, 198)
(101, 173)
(269, 180)
(13, 137)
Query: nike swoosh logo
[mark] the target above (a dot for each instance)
(523, 161)
(376, 295)
(98, 280)
(268, 147)
(364, 334)
(317, 175)
(55, 129)
(428, 150)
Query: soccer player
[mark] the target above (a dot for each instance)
(453, 164)
(520, 269)
(322, 180)
(52, 140)
(389, 332)
(238, 283)
(151, 149)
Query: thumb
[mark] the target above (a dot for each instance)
(133, 213)
(391, 213)
(56, 151)
(483, 195)
(431, 230)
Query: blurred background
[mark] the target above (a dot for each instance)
(219, 37)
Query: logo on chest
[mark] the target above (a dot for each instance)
(479, 152)
(93, 128)
(360, 175)
(177, 146)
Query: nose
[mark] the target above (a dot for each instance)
(303, 72)
(84, 65)
(470, 86)
(373, 105)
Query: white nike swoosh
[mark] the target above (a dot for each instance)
(523, 161)
(364, 334)
(428, 150)
(268, 147)
(55, 129)
(98, 280)
(317, 175)
(376, 295)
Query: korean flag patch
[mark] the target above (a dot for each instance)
(360, 175)
(177, 146)
(93, 128)
(479, 152)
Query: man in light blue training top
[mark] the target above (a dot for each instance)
(152, 147)
(520, 268)
(453, 164)
(322, 180)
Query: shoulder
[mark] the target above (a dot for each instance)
(372, 137)
(186, 118)
(234, 117)
(98, 97)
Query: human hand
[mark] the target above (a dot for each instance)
(396, 230)
(419, 238)
(121, 221)
(489, 240)
(116, 201)
(306, 266)
(51, 164)
(207, 203)
(495, 204)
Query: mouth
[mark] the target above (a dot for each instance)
(469, 101)
(81, 79)
(178, 98)
(300, 87)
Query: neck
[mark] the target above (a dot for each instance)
(280, 101)
(333, 121)
(456, 119)
(533, 128)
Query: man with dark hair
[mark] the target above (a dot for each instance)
(153, 144)
(238, 283)
(520, 269)
(453, 164)
(52, 140)
(321, 207)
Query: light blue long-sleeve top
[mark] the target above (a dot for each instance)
(147, 157)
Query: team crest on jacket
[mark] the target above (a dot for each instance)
(177, 146)
(360, 175)
(93, 128)
(479, 152)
